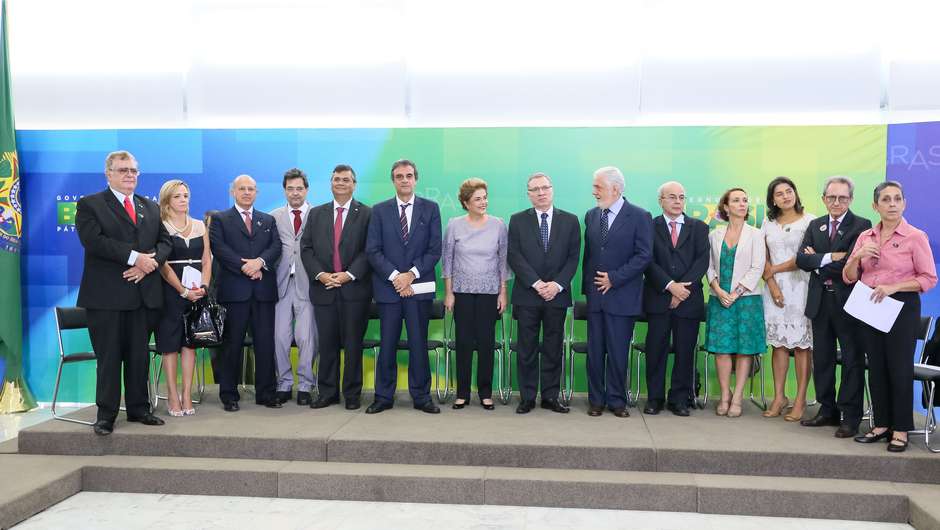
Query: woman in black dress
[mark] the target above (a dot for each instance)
(190, 249)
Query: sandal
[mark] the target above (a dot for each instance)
(773, 411)
(722, 408)
(795, 414)
(735, 409)
(897, 445)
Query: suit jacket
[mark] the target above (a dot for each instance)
(530, 262)
(388, 252)
(686, 262)
(108, 236)
(290, 253)
(625, 256)
(817, 236)
(230, 242)
(317, 252)
(749, 258)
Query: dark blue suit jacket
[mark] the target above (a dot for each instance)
(625, 256)
(686, 262)
(388, 253)
(230, 242)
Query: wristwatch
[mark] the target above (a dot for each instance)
(185, 293)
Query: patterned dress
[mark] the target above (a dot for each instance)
(787, 326)
(738, 329)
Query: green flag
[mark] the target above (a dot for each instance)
(14, 395)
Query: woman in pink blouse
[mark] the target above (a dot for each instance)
(895, 260)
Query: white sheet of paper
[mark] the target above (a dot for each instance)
(423, 287)
(191, 277)
(880, 316)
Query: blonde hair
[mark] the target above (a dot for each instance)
(166, 193)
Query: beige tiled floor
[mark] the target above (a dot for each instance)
(134, 510)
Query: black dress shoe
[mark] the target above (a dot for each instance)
(525, 407)
(303, 399)
(679, 409)
(322, 403)
(621, 412)
(595, 410)
(284, 397)
(271, 403)
(821, 421)
(103, 427)
(846, 431)
(458, 406)
(378, 406)
(869, 438)
(653, 407)
(231, 406)
(554, 405)
(147, 419)
(352, 404)
(429, 407)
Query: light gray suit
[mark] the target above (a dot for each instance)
(293, 315)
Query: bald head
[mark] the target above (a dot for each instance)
(244, 190)
(672, 199)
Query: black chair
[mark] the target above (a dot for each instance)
(638, 349)
(435, 345)
(69, 318)
(927, 371)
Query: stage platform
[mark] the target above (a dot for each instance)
(749, 465)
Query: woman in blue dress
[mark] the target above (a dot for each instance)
(735, 311)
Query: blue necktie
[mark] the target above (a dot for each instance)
(543, 230)
(604, 227)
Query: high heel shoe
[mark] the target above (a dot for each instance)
(488, 406)
(773, 411)
(175, 413)
(189, 412)
(734, 410)
(722, 408)
(458, 406)
(795, 414)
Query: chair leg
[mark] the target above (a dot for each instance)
(930, 420)
(705, 384)
(156, 368)
(636, 394)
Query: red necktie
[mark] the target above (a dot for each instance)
(673, 233)
(129, 208)
(833, 232)
(247, 221)
(296, 221)
(337, 231)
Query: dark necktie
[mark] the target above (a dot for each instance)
(337, 232)
(129, 208)
(247, 220)
(296, 221)
(543, 230)
(404, 223)
(833, 230)
(604, 228)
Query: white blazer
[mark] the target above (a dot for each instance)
(749, 258)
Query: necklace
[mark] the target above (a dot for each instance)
(177, 229)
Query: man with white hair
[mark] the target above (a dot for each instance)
(618, 240)
(246, 245)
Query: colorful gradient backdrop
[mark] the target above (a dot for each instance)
(58, 167)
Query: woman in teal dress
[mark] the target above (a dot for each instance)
(735, 310)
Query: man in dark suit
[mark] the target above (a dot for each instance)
(246, 244)
(827, 242)
(673, 300)
(544, 245)
(617, 249)
(403, 245)
(124, 242)
(333, 250)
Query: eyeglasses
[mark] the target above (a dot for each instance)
(124, 171)
(539, 188)
(831, 199)
(673, 197)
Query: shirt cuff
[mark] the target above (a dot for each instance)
(132, 258)
(317, 277)
(393, 275)
(826, 259)
(666, 288)
(560, 288)
(414, 270)
(264, 264)
(351, 277)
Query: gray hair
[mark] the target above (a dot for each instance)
(613, 176)
(537, 175)
(839, 179)
(232, 186)
(662, 187)
(887, 184)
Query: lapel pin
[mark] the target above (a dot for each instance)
(259, 223)
(895, 245)
(839, 232)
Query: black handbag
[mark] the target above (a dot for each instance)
(204, 323)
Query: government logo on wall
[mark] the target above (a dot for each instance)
(11, 209)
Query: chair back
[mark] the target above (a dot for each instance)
(580, 310)
(924, 329)
(931, 352)
(373, 310)
(70, 318)
(437, 310)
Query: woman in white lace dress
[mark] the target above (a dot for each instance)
(784, 296)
